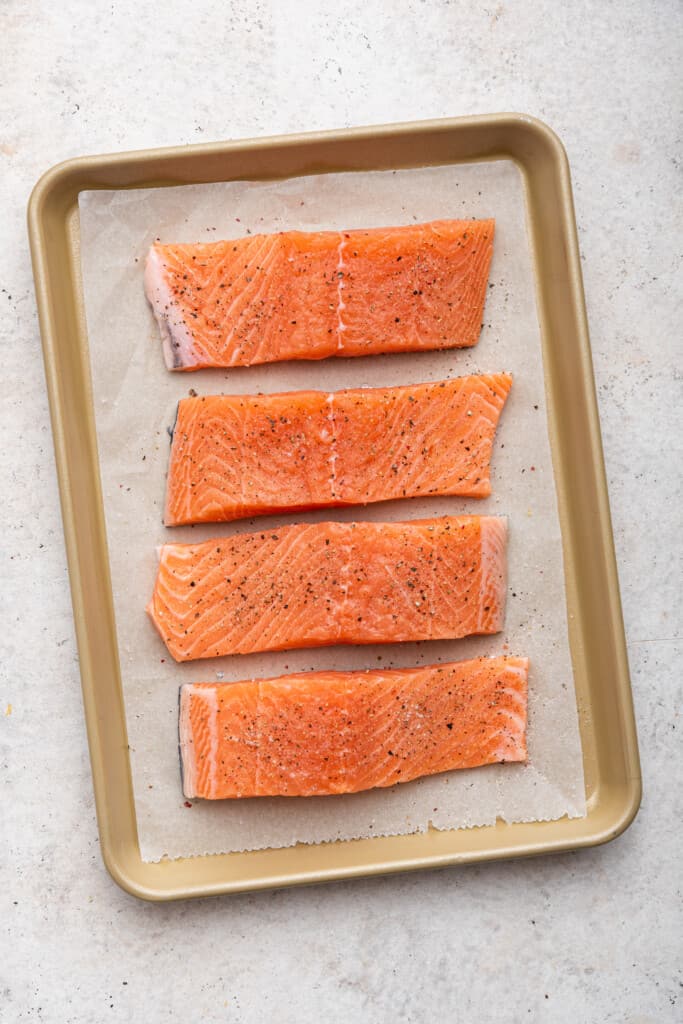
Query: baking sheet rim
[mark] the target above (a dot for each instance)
(121, 853)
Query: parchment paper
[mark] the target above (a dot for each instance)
(135, 399)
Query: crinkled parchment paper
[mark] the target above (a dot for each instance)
(135, 399)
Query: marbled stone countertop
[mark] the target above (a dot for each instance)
(594, 936)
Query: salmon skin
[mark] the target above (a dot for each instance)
(235, 456)
(319, 733)
(313, 585)
(310, 295)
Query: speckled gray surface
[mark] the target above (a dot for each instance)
(590, 937)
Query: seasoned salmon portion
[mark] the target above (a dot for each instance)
(235, 456)
(313, 585)
(320, 733)
(311, 295)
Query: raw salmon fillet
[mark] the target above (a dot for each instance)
(312, 585)
(319, 733)
(310, 295)
(242, 455)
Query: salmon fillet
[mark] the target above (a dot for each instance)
(319, 733)
(331, 583)
(310, 295)
(235, 456)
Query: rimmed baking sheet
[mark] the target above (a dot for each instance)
(596, 633)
